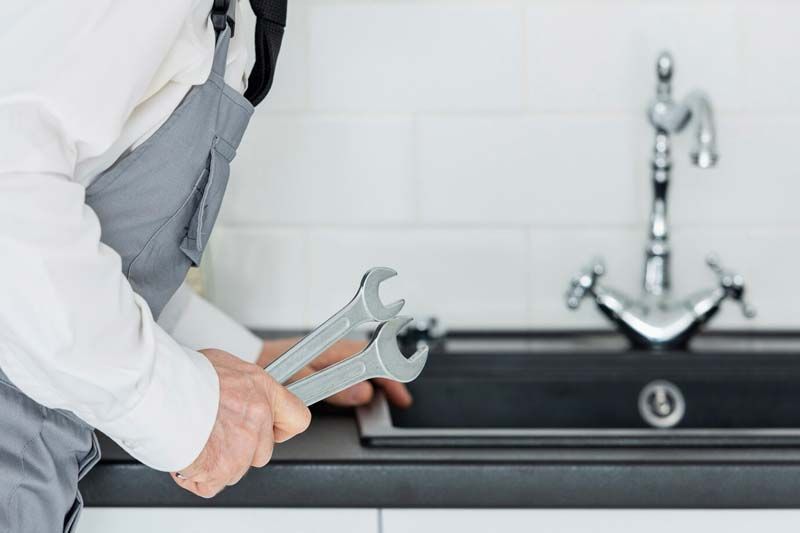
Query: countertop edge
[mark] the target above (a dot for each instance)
(464, 485)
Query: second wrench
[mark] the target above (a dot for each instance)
(366, 306)
(382, 358)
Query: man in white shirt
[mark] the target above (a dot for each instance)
(117, 123)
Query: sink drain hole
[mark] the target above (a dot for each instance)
(661, 404)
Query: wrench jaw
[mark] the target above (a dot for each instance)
(370, 286)
(397, 366)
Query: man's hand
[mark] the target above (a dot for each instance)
(254, 413)
(359, 394)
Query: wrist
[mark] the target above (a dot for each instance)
(170, 423)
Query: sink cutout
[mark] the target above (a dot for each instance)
(592, 398)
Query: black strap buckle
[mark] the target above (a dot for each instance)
(220, 17)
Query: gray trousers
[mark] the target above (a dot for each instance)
(43, 455)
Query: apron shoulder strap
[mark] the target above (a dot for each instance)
(222, 15)
(270, 23)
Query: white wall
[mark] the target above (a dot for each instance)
(488, 148)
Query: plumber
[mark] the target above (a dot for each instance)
(118, 122)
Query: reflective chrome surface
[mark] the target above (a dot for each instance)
(656, 319)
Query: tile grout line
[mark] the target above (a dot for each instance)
(308, 271)
(416, 177)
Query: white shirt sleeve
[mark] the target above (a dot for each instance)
(73, 334)
(196, 323)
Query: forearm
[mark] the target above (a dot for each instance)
(73, 334)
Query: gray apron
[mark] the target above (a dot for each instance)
(157, 205)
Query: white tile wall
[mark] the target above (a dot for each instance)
(306, 169)
(525, 170)
(473, 277)
(259, 276)
(757, 181)
(768, 55)
(599, 56)
(489, 148)
(391, 56)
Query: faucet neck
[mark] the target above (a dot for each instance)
(657, 254)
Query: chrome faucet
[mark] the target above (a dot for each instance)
(656, 320)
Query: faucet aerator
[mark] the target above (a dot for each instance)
(704, 159)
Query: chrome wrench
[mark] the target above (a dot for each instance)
(366, 306)
(380, 359)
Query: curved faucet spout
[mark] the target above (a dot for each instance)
(670, 117)
(704, 153)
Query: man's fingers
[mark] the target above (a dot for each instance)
(338, 352)
(237, 475)
(303, 372)
(198, 472)
(359, 394)
(396, 393)
(362, 393)
(290, 416)
(356, 395)
(207, 490)
(204, 490)
(265, 447)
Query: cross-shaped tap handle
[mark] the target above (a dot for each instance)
(732, 283)
(583, 284)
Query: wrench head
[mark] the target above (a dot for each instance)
(369, 288)
(397, 366)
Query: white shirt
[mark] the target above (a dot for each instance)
(81, 83)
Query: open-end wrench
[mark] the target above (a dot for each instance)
(366, 306)
(380, 359)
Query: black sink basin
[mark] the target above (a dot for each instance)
(568, 390)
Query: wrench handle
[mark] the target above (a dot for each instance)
(332, 380)
(316, 342)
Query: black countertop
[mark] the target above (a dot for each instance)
(328, 467)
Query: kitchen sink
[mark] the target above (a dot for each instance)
(590, 389)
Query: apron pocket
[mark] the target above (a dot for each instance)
(85, 463)
(71, 520)
(211, 191)
(161, 266)
(90, 459)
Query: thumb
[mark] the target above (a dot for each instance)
(290, 416)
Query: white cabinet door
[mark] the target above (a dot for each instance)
(148, 520)
(588, 521)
